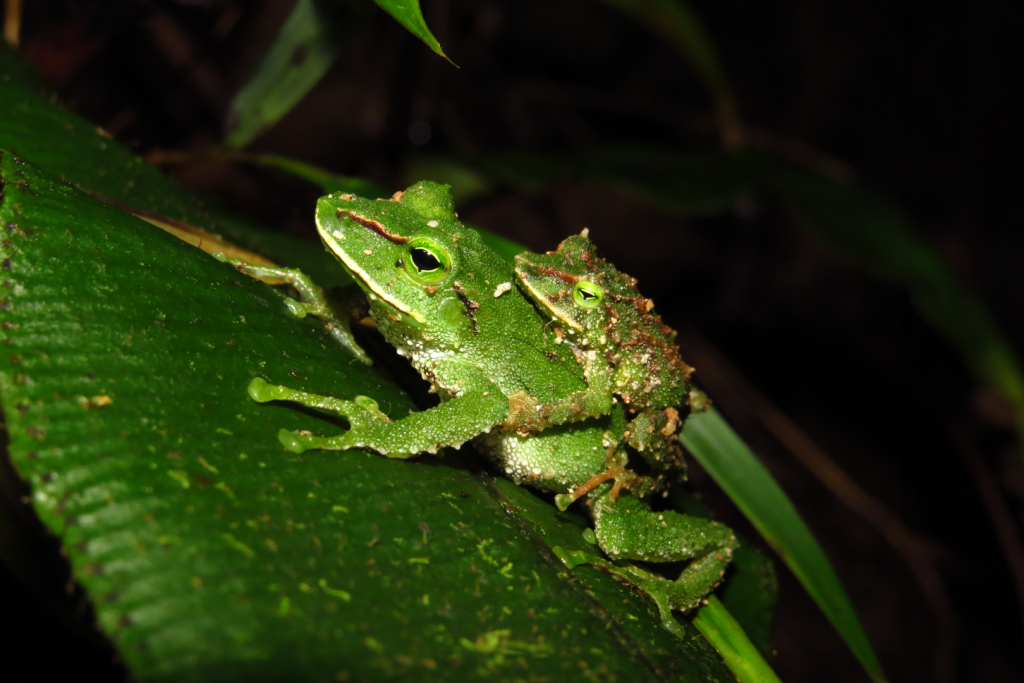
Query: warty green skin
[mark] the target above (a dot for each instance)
(448, 303)
(627, 350)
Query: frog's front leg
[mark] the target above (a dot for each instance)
(450, 424)
(627, 530)
(595, 401)
(312, 301)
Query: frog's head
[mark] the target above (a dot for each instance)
(572, 284)
(601, 307)
(405, 252)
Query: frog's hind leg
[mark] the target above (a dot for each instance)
(627, 530)
(312, 300)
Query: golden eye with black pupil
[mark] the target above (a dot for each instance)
(587, 294)
(425, 261)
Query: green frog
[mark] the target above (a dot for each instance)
(542, 410)
(623, 344)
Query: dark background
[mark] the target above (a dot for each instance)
(916, 101)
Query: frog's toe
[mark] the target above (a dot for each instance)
(563, 501)
(261, 391)
(367, 403)
(296, 443)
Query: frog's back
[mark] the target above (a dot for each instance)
(508, 338)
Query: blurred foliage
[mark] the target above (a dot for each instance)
(306, 47)
(858, 223)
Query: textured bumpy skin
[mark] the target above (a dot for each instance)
(541, 409)
(623, 327)
(481, 351)
(628, 350)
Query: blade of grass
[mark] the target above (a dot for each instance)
(408, 14)
(744, 402)
(329, 182)
(750, 595)
(321, 177)
(729, 639)
(749, 484)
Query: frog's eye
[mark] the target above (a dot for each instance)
(587, 295)
(426, 260)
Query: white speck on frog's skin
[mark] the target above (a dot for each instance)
(502, 288)
(432, 224)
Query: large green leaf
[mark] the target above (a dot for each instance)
(209, 551)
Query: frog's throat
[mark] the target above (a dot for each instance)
(329, 236)
(544, 302)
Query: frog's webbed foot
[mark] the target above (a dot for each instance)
(312, 301)
(661, 590)
(450, 424)
(627, 530)
(363, 414)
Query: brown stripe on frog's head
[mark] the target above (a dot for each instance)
(371, 224)
(379, 242)
(543, 280)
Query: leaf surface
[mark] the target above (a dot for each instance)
(32, 125)
(211, 553)
(131, 351)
